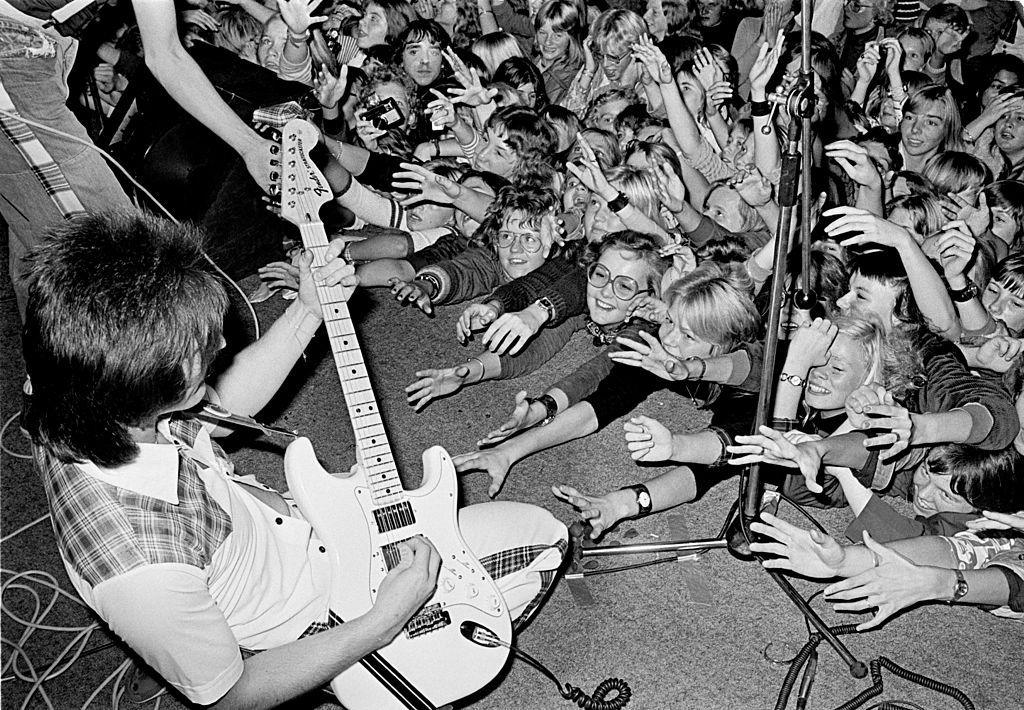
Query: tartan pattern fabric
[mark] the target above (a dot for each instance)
(320, 626)
(46, 171)
(497, 565)
(104, 531)
(278, 115)
(515, 559)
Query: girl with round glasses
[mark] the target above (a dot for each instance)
(520, 228)
(624, 267)
(709, 314)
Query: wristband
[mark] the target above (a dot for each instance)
(298, 38)
(432, 280)
(618, 203)
(437, 147)
(550, 407)
(346, 253)
(760, 108)
(964, 295)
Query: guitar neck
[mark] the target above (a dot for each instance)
(372, 445)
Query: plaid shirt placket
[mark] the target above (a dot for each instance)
(104, 531)
(47, 172)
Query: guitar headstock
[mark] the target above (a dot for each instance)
(303, 188)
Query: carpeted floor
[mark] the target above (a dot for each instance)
(689, 634)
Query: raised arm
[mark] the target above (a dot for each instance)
(179, 74)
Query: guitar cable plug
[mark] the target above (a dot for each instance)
(482, 636)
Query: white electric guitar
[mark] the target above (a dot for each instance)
(361, 519)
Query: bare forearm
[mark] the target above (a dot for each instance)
(384, 246)
(575, 422)
(953, 426)
(680, 120)
(473, 203)
(258, 371)
(929, 291)
(261, 12)
(382, 271)
(178, 73)
(279, 674)
(704, 447)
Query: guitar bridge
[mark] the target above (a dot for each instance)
(432, 617)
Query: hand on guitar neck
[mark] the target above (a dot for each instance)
(335, 272)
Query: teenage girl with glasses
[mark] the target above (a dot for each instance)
(623, 267)
(709, 314)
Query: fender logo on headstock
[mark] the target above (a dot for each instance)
(301, 180)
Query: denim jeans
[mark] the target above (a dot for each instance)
(34, 66)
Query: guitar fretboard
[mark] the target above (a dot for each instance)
(372, 444)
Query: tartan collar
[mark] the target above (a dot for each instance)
(154, 472)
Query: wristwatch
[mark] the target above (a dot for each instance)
(960, 587)
(643, 497)
(618, 203)
(794, 380)
(550, 407)
(964, 295)
(545, 303)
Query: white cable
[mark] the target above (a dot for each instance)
(23, 528)
(76, 647)
(110, 159)
(3, 433)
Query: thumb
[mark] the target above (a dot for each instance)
(462, 371)
(521, 396)
(876, 547)
(818, 536)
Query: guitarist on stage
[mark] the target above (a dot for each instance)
(191, 566)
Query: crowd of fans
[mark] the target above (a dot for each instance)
(563, 165)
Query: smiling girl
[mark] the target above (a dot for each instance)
(710, 313)
(558, 45)
(621, 269)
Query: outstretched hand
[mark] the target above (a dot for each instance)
(893, 584)
(651, 356)
(494, 462)
(811, 553)
(602, 512)
(523, 416)
(648, 439)
(426, 185)
(475, 317)
(298, 14)
(415, 292)
(773, 447)
(434, 384)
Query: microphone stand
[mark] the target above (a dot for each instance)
(798, 100)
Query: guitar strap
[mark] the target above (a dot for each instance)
(386, 674)
(390, 678)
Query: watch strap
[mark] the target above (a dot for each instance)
(964, 295)
(643, 498)
(794, 380)
(960, 586)
(550, 407)
(618, 203)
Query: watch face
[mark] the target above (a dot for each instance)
(644, 499)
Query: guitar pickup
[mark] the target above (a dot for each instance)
(432, 617)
